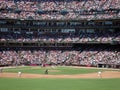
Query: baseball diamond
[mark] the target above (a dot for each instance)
(59, 44)
(66, 77)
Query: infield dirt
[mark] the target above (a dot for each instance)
(105, 74)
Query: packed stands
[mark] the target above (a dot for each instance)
(59, 9)
(82, 56)
(102, 36)
(60, 31)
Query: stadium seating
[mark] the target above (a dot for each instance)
(59, 9)
(87, 56)
(86, 10)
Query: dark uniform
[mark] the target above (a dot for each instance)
(46, 71)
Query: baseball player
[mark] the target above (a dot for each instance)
(19, 74)
(46, 71)
(100, 74)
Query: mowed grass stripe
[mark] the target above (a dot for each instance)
(53, 71)
(59, 84)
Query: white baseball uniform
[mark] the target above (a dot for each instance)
(19, 74)
(100, 74)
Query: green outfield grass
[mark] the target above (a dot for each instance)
(59, 84)
(54, 71)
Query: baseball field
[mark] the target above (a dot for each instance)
(59, 78)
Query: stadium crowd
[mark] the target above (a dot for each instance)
(104, 36)
(86, 56)
(59, 9)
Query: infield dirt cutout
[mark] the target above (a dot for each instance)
(105, 74)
